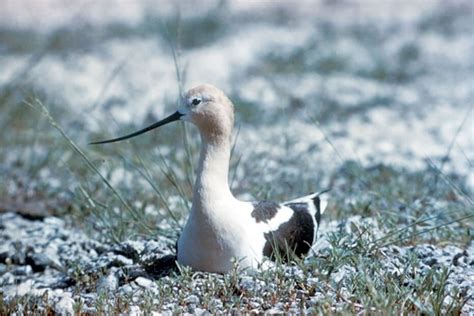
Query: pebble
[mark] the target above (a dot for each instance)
(342, 273)
(247, 283)
(23, 288)
(126, 289)
(38, 261)
(3, 268)
(22, 271)
(120, 261)
(144, 282)
(128, 273)
(215, 304)
(127, 250)
(153, 246)
(64, 304)
(192, 299)
(108, 283)
(200, 311)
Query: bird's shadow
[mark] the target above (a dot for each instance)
(160, 267)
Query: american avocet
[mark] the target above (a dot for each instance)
(221, 227)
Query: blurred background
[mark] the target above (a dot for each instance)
(371, 98)
(325, 91)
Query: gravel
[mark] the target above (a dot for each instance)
(49, 256)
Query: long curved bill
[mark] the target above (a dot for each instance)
(173, 117)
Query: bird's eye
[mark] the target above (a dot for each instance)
(196, 101)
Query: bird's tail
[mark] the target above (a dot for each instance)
(316, 203)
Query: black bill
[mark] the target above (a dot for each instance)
(173, 117)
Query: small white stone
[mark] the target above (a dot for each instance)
(108, 283)
(126, 289)
(135, 310)
(144, 282)
(192, 299)
(65, 304)
(24, 288)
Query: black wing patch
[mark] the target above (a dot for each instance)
(317, 204)
(264, 211)
(293, 238)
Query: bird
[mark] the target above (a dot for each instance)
(220, 228)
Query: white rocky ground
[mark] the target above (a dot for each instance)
(39, 256)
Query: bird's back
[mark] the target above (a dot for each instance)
(293, 236)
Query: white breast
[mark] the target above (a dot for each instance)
(211, 243)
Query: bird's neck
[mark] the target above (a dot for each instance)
(211, 188)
